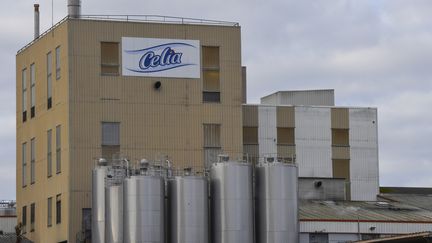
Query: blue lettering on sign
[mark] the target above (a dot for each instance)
(167, 59)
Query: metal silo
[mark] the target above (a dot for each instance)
(98, 204)
(114, 214)
(143, 209)
(188, 209)
(232, 204)
(276, 204)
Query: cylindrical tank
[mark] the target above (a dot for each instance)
(98, 204)
(188, 209)
(114, 214)
(276, 204)
(232, 204)
(143, 209)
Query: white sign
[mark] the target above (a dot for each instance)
(161, 57)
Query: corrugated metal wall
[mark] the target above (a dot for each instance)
(267, 132)
(7, 224)
(301, 97)
(353, 227)
(313, 141)
(364, 154)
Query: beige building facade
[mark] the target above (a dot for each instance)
(74, 105)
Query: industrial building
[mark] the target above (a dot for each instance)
(174, 89)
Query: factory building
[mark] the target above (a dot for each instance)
(166, 88)
(328, 141)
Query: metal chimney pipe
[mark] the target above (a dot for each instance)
(36, 21)
(74, 8)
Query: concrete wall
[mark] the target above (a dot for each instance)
(37, 127)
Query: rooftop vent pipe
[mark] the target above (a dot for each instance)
(74, 8)
(36, 21)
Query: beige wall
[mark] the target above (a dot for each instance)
(169, 121)
(37, 128)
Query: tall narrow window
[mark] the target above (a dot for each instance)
(32, 160)
(49, 80)
(24, 219)
(49, 212)
(58, 209)
(24, 164)
(110, 58)
(58, 149)
(24, 94)
(57, 62)
(32, 90)
(212, 143)
(211, 74)
(32, 217)
(110, 139)
(49, 153)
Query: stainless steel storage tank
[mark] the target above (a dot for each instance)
(232, 204)
(114, 214)
(98, 204)
(188, 209)
(276, 204)
(143, 209)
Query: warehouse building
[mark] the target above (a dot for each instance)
(164, 87)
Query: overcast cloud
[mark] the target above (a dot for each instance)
(373, 53)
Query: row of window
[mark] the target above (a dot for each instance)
(111, 140)
(33, 84)
(49, 214)
(286, 136)
(49, 156)
(110, 63)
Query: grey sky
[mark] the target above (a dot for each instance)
(373, 52)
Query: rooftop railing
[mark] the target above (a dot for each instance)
(137, 18)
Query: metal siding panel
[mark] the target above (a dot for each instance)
(364, 154)
(337, 238)
(7, 224)
(353, 227)
(313, 141)
(304, 238)
(267, 132)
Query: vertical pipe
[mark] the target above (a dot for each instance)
(36, 21)
(74, 8)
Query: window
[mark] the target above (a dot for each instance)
(32, 217)
(24, 219)
(24, 164)
(32, 90)
(340, 137)
(49, 153)
(49, 80)
(211, 74)
(110, 139)
(58, 149)
(110, 58)
(285, 136)
(58, 209)
(49, 212)
(32, 160)
(24, 94)
(57, 62)
(212, 143)
(250, 135)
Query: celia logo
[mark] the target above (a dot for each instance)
(166, 58)
(161, 58)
